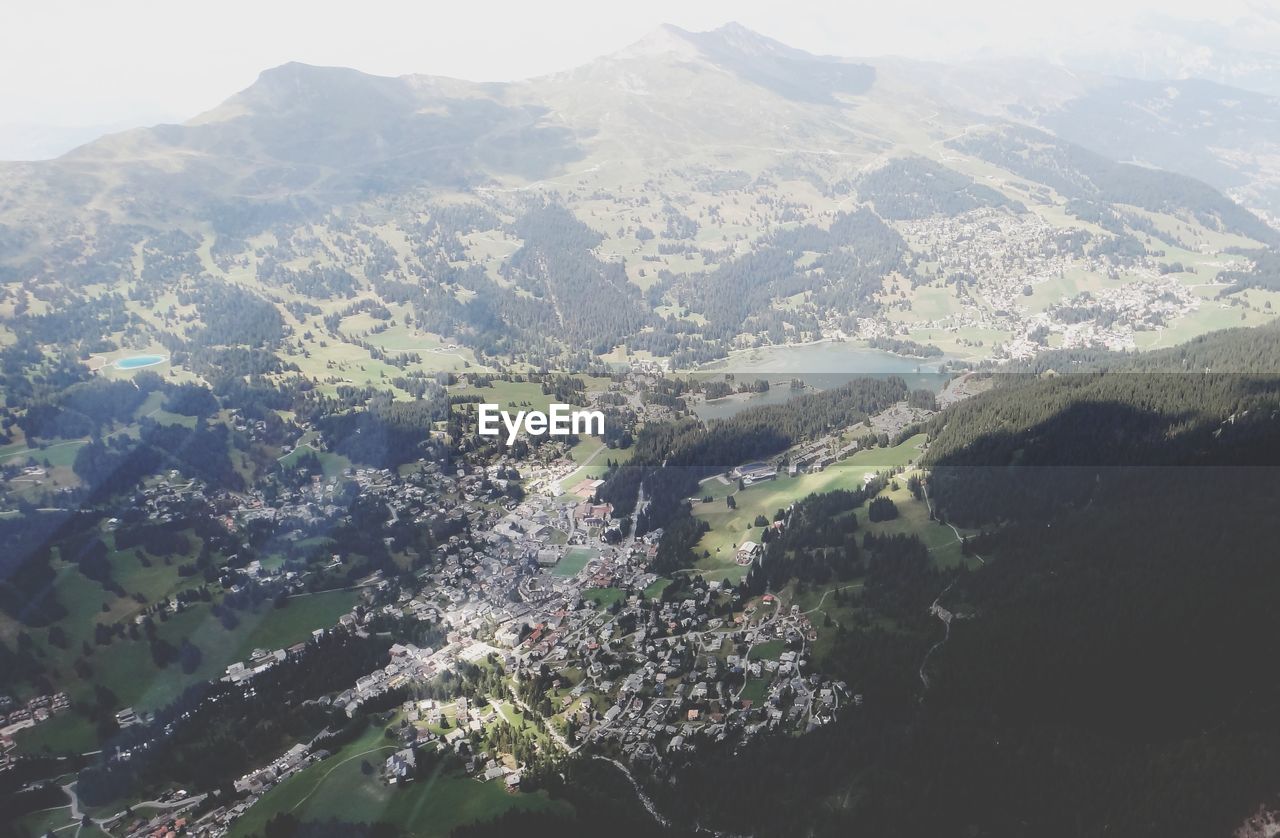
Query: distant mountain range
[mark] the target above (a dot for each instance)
(692, 193)
(1240, 52)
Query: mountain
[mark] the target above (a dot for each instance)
(1239, 52)
(692, 194)
(1099, 669)
(1222, 135)
(36, 141)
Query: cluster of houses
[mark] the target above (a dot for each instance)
(993, 261)
(429, 726)
(674, 681)
(658, 675)
(170, 823)
(287, 764)
(16, 716)
(261, 660)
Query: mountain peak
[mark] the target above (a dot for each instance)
(745, 41)
(733, 48)
(666, 39)
(731, 38)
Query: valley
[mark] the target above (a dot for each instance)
(931, 443)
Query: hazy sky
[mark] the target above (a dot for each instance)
(88, 62)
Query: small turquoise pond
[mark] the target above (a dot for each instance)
(139, 361)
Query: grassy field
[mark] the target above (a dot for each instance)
(87, 602)
(656, 588)
(575, 559)
(731, 527)
(331, 465)
(593, 450)
(755, 690)
(127, 669)
(51, 820)
(769, 650)
(913, 519)
(509, 395)
(66, 732)
(56, 454)
(44, 822)
(1213, 314)
(603, 597)
(339, 788)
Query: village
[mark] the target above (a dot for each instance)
(643, 676)
(546, 586)
(992, 264)
(552, 594)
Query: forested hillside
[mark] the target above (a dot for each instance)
(1105, 668)
(670, 458)
(1041, 439)
(1107, 674)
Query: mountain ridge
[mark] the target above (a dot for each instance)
(837, 199)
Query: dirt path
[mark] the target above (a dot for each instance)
(959, 537)
(945, 616)
(936, 608)
(326, 774)
(830, 591)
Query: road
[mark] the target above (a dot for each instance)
(777, 610)
(77, 815)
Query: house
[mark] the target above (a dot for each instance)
(748, 552)
(401, 766)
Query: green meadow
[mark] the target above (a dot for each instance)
(731, 527)
(340, 788)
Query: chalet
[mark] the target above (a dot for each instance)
(748, 552)
(401, 766)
